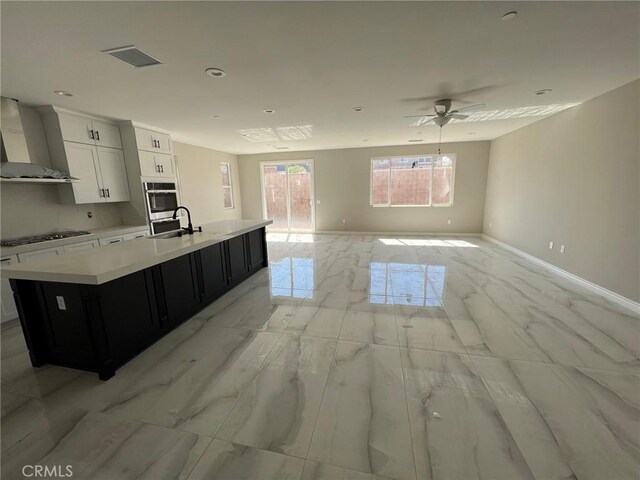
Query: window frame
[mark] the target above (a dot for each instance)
(434, 157)
(230, 187)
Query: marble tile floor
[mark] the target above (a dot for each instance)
(353, 357)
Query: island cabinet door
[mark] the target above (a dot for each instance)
(237, 259)
(255, 241)
(177, 290)
(129, 316)
(213, 272)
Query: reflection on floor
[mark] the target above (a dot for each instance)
(354, 357)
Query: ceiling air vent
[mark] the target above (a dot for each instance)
(131, 55)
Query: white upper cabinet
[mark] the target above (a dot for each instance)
(89, 149)
(82, 162)
(107, 134)
(75, 128)
(114, 175)
(103, 174)
(156, 165)
(153, 141)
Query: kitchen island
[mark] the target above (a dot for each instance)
(95, 310)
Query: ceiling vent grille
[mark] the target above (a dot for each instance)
(131, 55)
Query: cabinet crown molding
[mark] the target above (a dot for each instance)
(136, 124)
(49, 109)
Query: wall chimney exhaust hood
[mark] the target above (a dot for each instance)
(15, 164)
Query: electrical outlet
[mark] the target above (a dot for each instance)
(344, 220)
(550, 245)
(561, 248)
(89, 214)
(61, 304)
(449, 222)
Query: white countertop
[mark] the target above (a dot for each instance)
(94, 235)
(103, 264)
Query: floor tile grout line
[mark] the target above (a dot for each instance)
(406, 400)
(326, 382)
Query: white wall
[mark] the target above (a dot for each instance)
(201, 183)
(342, 186)
(28, 209)
(573, 179)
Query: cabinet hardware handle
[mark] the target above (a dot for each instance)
(102, 192)
(158, 168)
(161, 168)
(91, 135)
(97, 135)
(108, 194)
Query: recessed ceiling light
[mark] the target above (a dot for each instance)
(62, 93)
(416, 140)
(215, 116)
(358, 109)
(543, 91)
(215, 72)
(509, 15)
(471, 133)
(269, 110)
(365, 139)
(281, 148)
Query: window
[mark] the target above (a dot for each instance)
(227, 185)
(418, 181)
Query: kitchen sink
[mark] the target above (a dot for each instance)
(164, 236)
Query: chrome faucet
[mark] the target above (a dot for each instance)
(189, 229)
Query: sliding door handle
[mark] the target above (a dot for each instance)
(97, 135)
(91, 135)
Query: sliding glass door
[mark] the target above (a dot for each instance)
(287, 195)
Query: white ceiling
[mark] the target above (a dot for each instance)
(313, 61)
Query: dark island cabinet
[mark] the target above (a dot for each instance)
(100, 327)
(214, 272)
(177, 290)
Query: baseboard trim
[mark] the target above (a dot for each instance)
(397, 234)
(12, 322)
(595, 288)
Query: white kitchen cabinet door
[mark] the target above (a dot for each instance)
(148, 167)
(76, 128)
(8, 310)
(110, 240)
(153, 141)
(156, 165)
(145, 140)
(113, 174)
(106, 134)
(165, 164)
(83, 164)
(39, 254)
(81, 246)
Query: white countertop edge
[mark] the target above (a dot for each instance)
(25, 273)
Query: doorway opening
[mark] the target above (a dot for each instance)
(287, 195)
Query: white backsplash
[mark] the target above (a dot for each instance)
(34, 209)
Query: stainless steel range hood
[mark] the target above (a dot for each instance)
(15, 164)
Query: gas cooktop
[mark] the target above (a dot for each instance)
(41, 238)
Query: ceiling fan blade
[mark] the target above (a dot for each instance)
(418, 116)
(424, 121)
(470, 107)
(458, 116)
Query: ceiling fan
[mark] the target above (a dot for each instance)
(443, 113)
